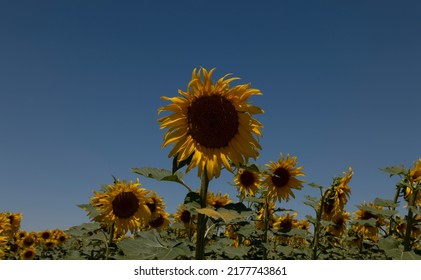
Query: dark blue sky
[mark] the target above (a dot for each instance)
(80, 85)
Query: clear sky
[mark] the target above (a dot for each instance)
(81, 81)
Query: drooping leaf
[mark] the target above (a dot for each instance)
(239, 207)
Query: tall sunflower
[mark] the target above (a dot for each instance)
(213, 122)
(282, 178)
(247, 182)
(122, 205)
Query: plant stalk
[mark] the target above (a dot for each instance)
(409, 221)
(201, 218)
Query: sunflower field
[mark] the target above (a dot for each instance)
(211, 127)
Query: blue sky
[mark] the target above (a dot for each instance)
(80, 85)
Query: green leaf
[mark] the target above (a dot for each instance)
(226, 215)
(177, 165)
(316, 186)
(239, 207)
(385, 202)
(149, 245)
(395, 170)
(388, 243)
(158, 174)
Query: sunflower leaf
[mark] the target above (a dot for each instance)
(395, 170)
(385, 202)
(316, 186)
(158, 174)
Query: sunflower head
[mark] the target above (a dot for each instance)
(281, 178)
(217, 200)
(28, 253)
(160, 222)
(366, 212)
(212, 122)
(247, 182)
(156, 205)
(286, 222)
(339, 224)
(123, 205)
(415, 172)
(184, 215)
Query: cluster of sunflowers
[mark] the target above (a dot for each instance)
(212, 128)
(18, 244)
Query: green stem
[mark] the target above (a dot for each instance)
(317, 225)
(201, 218)
(266, 226)
(409, 221)
(395, 200)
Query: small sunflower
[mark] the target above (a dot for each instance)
(123, 205)
(260, 222)
(282, 178)
(59, 236)
(184, 215)
(339, 224)
(29, 240)
(45, 235)
(160, 222)
(156, 205)
(247, 182)
(367, 211)
(286, 222)
(408, 193)
(217, 200)
(28, 253)
(3, 242)
(4, 223)
(415, 173)
(213, 122)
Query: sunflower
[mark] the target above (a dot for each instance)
(46, 234)
(59, 236)
(156, 205)
(337, 197)
(213, 123)
(286, 222)
(247, 182)
(408, 193)
(4, 222)
(283, 225)
(366, 212)
(217, 200)
(415, 173)
(3, 242)
(260, 222)
(339, 224)
(160, 222)
(184, 215)
(282, 178)
(28, 253)
(29, 240)
(122, 205)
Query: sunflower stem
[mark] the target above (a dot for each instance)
(395, 200)
(266, 226)
(317, 226)
(201, 218)
(409, 220)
